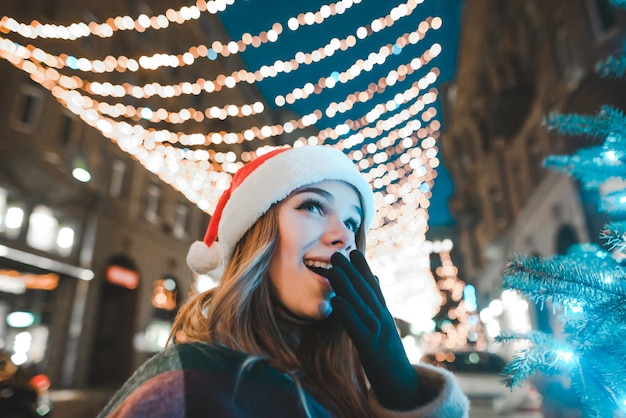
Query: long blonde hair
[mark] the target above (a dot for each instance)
(240, 314)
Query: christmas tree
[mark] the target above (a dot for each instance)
(456, 323)
(588, 284)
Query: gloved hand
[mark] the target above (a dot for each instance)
(360, 306)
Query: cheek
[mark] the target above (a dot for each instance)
(282, 267)
(289, 231)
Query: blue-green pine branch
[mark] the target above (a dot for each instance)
(540, 356)
(563, 280)
(619, 3)
(588, 165)
(614, 234)
(594, 363)
(608, 121)
(612, 66)
(590, 327)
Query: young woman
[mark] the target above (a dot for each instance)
(298, 326)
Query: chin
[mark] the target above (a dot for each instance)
(317, 313)
(324, 309)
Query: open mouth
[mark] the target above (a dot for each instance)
(318, 267)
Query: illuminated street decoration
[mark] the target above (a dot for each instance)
(394, 142)
(107, 29)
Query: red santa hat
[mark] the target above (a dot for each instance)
(266, 180)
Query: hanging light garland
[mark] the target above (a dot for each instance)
(107, 29)
(74, 101)
(393, 141)
(184, 115)
(358, 68)
(20, 58)
(143, 22)
(109, 64)
(186, 13)
(266, 71)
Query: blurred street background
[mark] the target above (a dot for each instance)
(122, 123)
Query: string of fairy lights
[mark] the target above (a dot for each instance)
(36, 57)
(393, 141)
(107, 29)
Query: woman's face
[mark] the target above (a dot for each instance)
(314, 222)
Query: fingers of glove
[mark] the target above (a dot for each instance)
(358, 260)
(358, 331)
(345, 291)
(359, 283)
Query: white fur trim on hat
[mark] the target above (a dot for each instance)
(202, 259)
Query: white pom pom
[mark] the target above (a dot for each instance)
(202, 259)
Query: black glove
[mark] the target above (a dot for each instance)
(360, 306)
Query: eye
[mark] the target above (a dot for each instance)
(313, 206)
(352, 224)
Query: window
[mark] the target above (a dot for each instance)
(27, 109)
(153, 202)
(474, 249)
(42, 229)
(11, 215)
(535, 159)
(181, 218)
(165, 304)
(565, 238)
(485, 135)
(27, 308)
(65, 240)
(601, 16)
(465, 153)
(69, 129)
(518, 181)
(87, 42)
(568, 58)
(164, 294)
(497, 205)
(49, 233)
(118, 173)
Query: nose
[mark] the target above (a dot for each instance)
(339, 236)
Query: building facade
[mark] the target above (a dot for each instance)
(92, 264)
(518, 62)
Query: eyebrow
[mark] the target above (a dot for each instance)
(325, 194)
